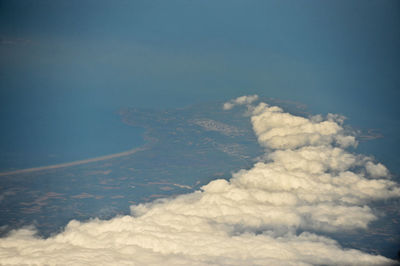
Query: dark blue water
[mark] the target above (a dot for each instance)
(41, 136)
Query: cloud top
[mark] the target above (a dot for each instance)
(242, 100)
(307, 182)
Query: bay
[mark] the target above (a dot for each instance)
(42, 136)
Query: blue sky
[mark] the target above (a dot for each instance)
(334, 56)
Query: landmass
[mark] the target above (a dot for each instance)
(61, 165)
(185, 149)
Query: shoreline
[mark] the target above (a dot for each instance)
(73, 163)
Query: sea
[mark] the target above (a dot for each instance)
(40, 136)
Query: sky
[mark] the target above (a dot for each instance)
(333, 51)
(62, 59)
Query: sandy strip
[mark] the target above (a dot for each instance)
(55, 166)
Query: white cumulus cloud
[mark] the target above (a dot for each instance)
(306, 182)
(242, 100)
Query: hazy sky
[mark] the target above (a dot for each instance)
(330, 54)
(63, 58)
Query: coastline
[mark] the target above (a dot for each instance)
(74, 163)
